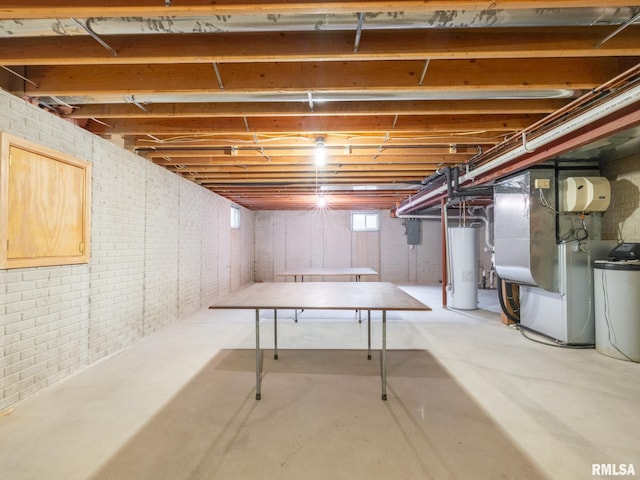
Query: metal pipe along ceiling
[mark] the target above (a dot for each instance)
(428, 196)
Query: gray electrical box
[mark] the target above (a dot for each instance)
(413, 231)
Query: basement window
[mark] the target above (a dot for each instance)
(365, 222)
(235, 217)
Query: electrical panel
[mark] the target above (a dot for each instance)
(413, 226)
(585, 194)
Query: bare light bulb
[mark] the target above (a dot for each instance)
(320, 152)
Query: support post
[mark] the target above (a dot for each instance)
(258, 366)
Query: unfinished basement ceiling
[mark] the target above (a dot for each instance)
(235, 96)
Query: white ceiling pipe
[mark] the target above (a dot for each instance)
(621, 101)
(419, 199)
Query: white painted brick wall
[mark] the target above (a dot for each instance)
(210, 247)
(150, 229)
(264, 266)
(161, 248)
(236, 240)
(621, 221)
(224, 249)
(337, 239)
(45, 312)
(190, 242)
(117, 250)
(247, 240)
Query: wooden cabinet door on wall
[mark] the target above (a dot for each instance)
(45, 205)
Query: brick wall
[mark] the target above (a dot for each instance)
(621, 221)
(116, 273)
(161, 249)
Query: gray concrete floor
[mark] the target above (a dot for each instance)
(468, 398)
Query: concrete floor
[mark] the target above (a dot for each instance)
(469, 398)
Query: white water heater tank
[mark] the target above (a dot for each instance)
(462, 290)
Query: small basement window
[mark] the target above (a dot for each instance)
(365, 222)
(235, 217)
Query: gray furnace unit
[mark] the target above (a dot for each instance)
(550, 251)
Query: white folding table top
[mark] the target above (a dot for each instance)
(322, 295)
(327, 271)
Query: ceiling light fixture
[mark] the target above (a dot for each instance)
(321, 201)
(320, 152)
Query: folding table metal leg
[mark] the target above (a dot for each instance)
(275, 334)
(384, 355)
(258, 367)
(369, 334)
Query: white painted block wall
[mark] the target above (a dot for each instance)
(161, 249)
(323, 238)
(621, 221)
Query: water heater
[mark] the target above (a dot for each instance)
(462, 291)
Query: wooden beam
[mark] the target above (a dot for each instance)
(326, 178)
(253, 47)
(243, 170)
(334, 155)
(371, 159)
(144, 143)
(319, 125)
(342, 77)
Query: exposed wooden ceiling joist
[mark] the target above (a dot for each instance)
(485, 75)
(235, 95)
(450, 44)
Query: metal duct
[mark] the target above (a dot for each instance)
(321, 21)
(524, 230)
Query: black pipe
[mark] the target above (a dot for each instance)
(447, 173)
(469, 191)
(454, 191)
(432, 178)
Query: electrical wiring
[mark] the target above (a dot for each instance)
(550, 342)
(545, 203)
(503, 306)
